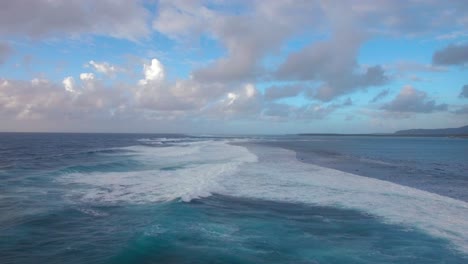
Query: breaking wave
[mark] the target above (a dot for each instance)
(194, 170)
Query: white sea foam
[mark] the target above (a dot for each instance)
(160, 141)
(217, 167)
(200, 168)
(92, 212)
(279, 176)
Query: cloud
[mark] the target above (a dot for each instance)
(462, 110)
(455, 54)
(86, 76)
(399, 17)
(278, 112)
(154, 71)
(160, 97)
(278, 92)
(247, 36)
(45, 18)
(104, 67)
(69, 84)
(335, 85)
(153, 98)
(412, 66)
(251, 31)
(156, 93)
(243, 102)
(311, 111)
(43, 99)
(314, 44)
(333, 62)
(411, 100)
(380, 96)
(177, 18)
(453, 35)
(464, 91)
(5, 52)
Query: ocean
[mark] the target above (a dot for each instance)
(154, 198)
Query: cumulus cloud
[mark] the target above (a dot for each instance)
(43, 99)
(45, 18)
(86, 76)
(104, 67)
(87, 97)
(69, 84)
(455, 54)
(333, 62)
(5, 52)
(244, 101)
(279, 92)
(160, 97)
(154, 71)
(250, 34)
(263, 27)
(411, 100)
(464, 91)
(247, 37)
(156, 93)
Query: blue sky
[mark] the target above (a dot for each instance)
(281, 66)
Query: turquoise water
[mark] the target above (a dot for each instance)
(176, 199)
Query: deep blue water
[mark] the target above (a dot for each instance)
(114, 198)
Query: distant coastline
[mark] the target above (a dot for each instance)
(460, 132)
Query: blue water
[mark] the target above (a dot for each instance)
(107, 198)
(436, 164)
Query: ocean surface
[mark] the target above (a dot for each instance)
(129, 198)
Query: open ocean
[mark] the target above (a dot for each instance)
(129, 198)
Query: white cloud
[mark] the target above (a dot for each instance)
(87, 76)
(47, 100)
(313, 44)
(69, 84)
(154, 71)
(104, 68)
(244, 101)
(250, 90)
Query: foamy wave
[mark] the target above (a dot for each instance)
(207, 167)
(172, 151)
(161, 141)
(279, 176)
(204, 167)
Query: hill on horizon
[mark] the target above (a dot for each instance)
(440, 131)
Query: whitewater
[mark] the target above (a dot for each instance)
(187, 169)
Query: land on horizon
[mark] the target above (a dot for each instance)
(443, 132)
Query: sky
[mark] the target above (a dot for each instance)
(233, 67)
